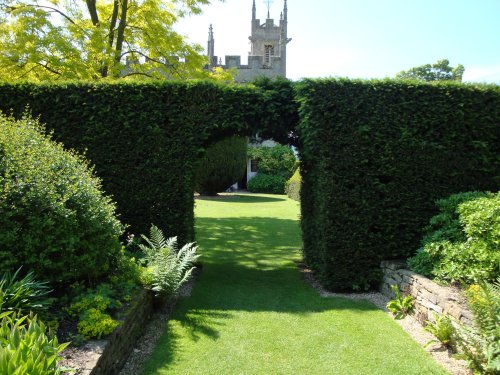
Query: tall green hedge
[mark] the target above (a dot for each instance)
(144, 138)
(375, 155)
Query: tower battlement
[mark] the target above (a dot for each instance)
(267, 56)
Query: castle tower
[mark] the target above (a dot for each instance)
(212, 59)
(269, 40)
(267, 56)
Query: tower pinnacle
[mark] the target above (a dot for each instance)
(254, 11)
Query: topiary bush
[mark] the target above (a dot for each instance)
(222, 165)
(292, 186)
(461, 243)
(54, 218)
(266, 183)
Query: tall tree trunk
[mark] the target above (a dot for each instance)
(111, 38)
(91, 6)
(121, 31)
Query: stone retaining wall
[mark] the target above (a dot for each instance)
(429, 297)
(121, 342)
(107, 357)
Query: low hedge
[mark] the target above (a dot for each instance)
(267, 183)
(375, 155)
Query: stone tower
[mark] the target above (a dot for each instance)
(267, 56)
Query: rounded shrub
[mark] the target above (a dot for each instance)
(222, 165)
(54, 218)
(265, 183)
(278, 160)
(461, 242)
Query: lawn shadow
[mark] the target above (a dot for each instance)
(250, 265)
(241, 198)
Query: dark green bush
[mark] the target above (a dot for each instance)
(376, 155)
(265, 183)
(222, 165)
(461, 243)
(54, 218)
(292, 186)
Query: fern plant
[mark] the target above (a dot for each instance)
(167, 266)
(441, 328)
(401, 305)
(23, 294)
(480, 343)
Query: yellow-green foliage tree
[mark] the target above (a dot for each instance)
(93, 39)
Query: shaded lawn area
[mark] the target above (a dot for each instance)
(251, 312)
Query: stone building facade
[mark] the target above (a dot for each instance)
(267, 56)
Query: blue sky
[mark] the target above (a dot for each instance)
(364, 38)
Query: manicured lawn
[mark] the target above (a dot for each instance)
(251, 313)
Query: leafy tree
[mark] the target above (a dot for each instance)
(440, 71)
(63, 39)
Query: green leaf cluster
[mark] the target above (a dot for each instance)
(23, 294)
(401, 305)
(26, 348)
(439, 71)
(462, 243)
(481, 342)
(54, 218)
(168, 266)
(98, 39)
(93, 308)
(222, 165)
(376, 155)
(441, 328)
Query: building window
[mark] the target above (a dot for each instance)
(269, 51)
(254, 165)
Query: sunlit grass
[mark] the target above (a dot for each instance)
(251, 313)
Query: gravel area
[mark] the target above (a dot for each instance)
(409, 324)
(154, 330)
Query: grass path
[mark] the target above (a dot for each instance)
(251, 313)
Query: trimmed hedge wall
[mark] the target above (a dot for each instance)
(375, 156)
(144, 139)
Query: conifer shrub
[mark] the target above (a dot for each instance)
(292, 186)
(54, 218)
(222, 165)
